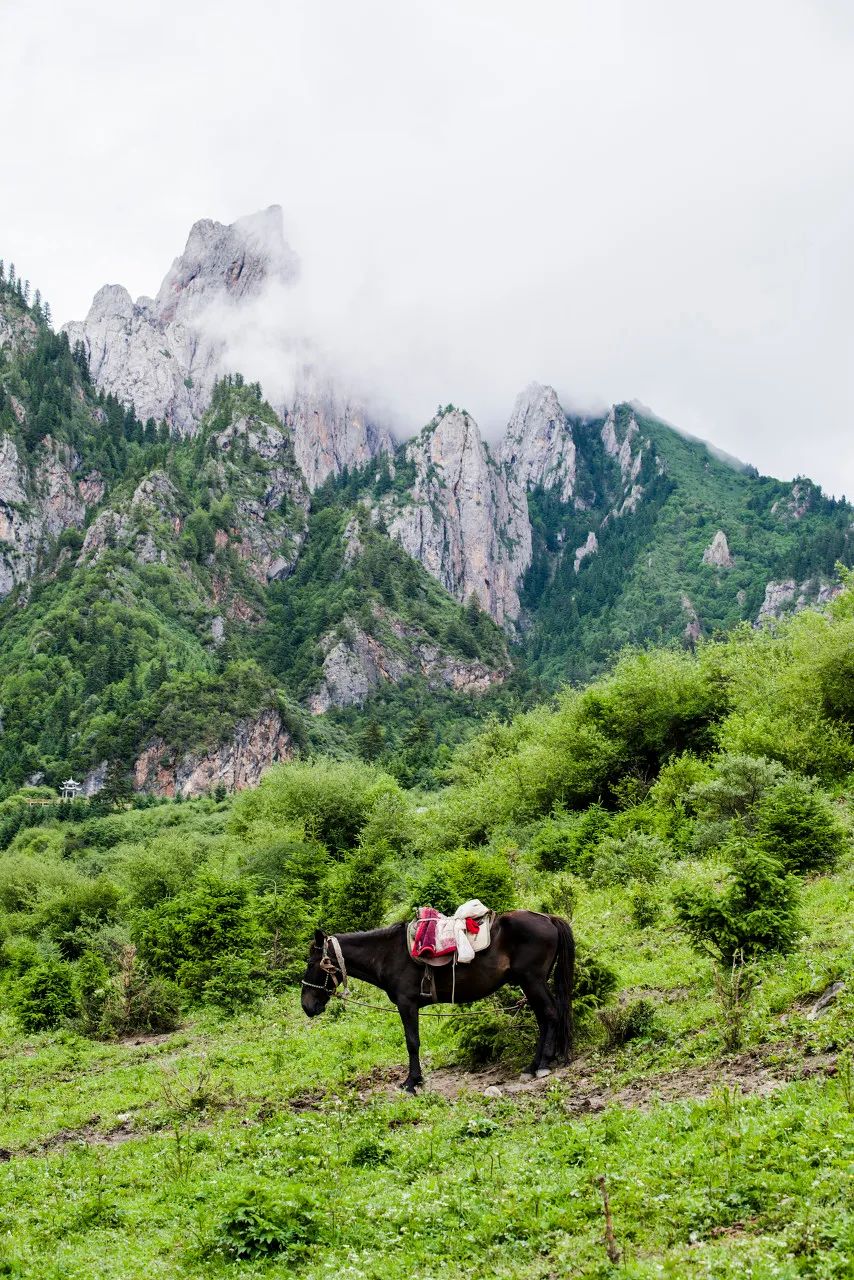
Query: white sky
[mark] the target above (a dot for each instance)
(648, 199)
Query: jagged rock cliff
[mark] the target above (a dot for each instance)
(163, 355)
(538, 446)
(239, 762)
(356, 664)
(330, 431)
(465, 516)
(38, 503)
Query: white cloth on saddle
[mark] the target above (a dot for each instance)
(453, 929)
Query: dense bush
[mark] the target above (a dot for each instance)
(43, 997)
(261, 1222)
(447, 882)
(186, 937)
(358, 893)
(333, 801)
(755, 914)
(637, 856)
(636, 1020)
(796, 824)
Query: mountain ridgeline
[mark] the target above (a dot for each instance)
(197, 584)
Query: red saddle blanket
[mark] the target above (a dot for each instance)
(435, 934)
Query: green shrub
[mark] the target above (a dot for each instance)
(595, 982)
(72, 914)
(264, 1221)
(553, 844)
(298, 865)
(137, 1002)
(637, 856)
(185, 937)
(494, 1030)
(645, 906)
(43, 997)
(796, 825)
(636, 1020)
(236, 984)
(333, 801)
(369, 1154)
(358, 893)
(756, 913)
(560, 896)
(91, 985)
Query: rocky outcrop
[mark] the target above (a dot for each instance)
(37, 504)
(164, 354)
(790, 596)
(154, 507)
(693, 629)
(239, 762)
(331, 431)
(717, 553)
(356, 664)
(588, 548)
(538, 446)
(465, 518)
(266, 541)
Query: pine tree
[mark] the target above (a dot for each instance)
(117, 788)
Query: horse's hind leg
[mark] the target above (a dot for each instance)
(409, 1018)
(542, 1002)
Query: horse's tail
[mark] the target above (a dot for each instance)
(564, 979)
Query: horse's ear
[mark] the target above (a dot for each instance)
(319, 937)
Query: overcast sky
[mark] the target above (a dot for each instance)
(649, 199)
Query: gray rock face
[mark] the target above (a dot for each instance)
(466, 519)
(38, 505)
(357, 664)
(538, 447)
(330, 431)
(164, 354)
(717, 553)
(257, 533)
(790, 596)
(239, 762)
(588, 548)
(627, 450)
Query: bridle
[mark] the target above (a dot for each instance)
(334, 971)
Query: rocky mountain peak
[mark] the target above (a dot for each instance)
(465, 517)
(538, 443)
(234, 261)
(164, 354)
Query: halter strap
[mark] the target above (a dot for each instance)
(339, 956)
(327, 964)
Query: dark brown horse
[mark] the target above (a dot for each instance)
(526, 947)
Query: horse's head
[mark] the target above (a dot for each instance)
(321, 976)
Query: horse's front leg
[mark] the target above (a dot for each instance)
(409, 1017)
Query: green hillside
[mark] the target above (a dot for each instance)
(691, 813)
(634, 590)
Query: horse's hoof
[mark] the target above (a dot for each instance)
(542, 1073)
(411, 1086)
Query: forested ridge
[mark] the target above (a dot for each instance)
(167, 589)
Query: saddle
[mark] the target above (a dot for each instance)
(434, 939)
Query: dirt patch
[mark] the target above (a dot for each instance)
(755, 1073)
(89, 1134)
